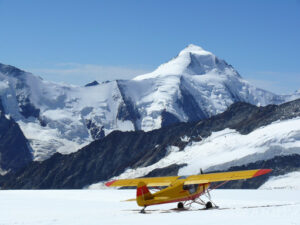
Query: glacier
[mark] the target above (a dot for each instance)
(93, 207)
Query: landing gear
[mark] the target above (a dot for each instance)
(143, 210)
(180, 205)
(208, 205)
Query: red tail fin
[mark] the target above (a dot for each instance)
(142, 194)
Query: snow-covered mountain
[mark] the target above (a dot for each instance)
(57, 117)
(242, 137)
(62, 118)
(192, 86)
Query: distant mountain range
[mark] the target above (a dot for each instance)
(242, 137)
(63, 118)
(192, 112)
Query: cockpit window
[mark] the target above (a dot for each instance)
(192, 188)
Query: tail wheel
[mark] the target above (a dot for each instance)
(208, 205)
(180, 205)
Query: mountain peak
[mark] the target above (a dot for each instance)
(192, 60)
(195, 49)
(94, 83)
(11, 70)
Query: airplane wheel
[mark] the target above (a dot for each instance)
(208, 205)
(180, 205)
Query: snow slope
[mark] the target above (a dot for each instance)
(62, 118)
(287, 181)
(228, 148)
(70, 207)
(65, 112)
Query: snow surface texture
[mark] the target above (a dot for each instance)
(228, 148)
(70, 207)
(58, 117)
(287, 181)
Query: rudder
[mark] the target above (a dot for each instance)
(142, 194)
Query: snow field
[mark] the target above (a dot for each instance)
(75, 207)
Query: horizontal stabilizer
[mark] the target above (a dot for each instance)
(130, 200)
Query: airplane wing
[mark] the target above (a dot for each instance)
(194, 179)
(149, 181)
(215, 177)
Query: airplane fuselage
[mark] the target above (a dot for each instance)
(176, 192)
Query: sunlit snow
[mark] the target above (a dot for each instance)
(82, 207)
(287, 181)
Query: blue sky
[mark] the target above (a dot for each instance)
(78, 41)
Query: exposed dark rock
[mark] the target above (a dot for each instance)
(14, 147)
(94, 83)
(127, 110)
(98, 161)
(189, 104)
(27, 109)
(168, 119)
(43, 123)
(171, 170)
(95, 131)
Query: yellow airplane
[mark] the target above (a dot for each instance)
(183, 189)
